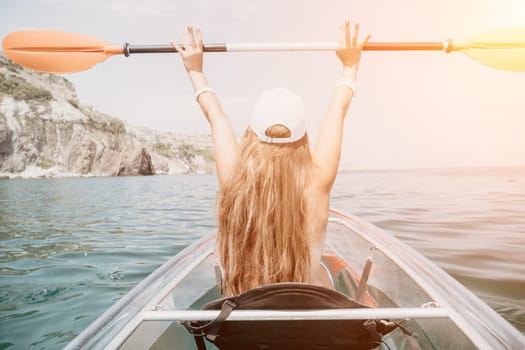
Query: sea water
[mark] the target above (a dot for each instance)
(69, 248)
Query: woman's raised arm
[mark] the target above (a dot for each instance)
(327, 150)
(224, 141)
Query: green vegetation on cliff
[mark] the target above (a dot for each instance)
(19, 89)
(184, 151)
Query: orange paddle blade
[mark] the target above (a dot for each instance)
(55, 51)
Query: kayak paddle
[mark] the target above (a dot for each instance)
(63, 52)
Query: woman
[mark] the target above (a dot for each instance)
(273, 200)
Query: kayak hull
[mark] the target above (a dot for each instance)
(400, 279)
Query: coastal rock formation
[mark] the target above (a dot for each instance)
(46, 131)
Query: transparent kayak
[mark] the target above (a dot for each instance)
(403, 285)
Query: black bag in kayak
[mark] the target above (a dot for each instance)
(288, 334)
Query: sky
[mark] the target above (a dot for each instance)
(411, 110)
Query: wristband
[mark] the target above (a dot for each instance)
(347, 83)
(199, 92)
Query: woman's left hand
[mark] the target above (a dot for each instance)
(191, 52)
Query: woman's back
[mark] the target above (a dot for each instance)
(317, 214)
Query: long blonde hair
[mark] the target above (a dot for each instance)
(264, 236)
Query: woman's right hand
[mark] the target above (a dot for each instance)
(192, 50)
(349, 51)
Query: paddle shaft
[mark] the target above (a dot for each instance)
(378, 46)
(55, 51)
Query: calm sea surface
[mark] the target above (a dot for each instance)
(69, 248)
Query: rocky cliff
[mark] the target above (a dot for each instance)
(46, 131)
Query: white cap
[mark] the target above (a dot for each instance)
(279, 106)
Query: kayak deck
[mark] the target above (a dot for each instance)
(403, 285)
